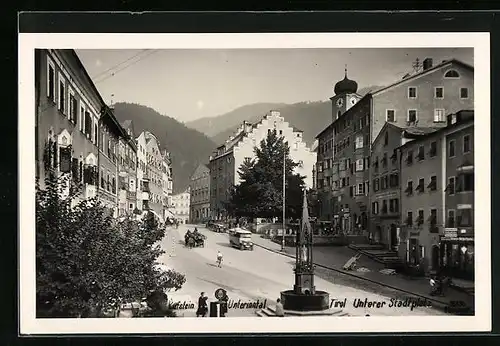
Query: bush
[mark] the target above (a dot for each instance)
(87, 262)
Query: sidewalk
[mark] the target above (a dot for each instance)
(334, 258)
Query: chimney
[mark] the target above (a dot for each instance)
(427, 63)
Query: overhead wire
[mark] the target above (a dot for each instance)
(125, 67)
(100, 74)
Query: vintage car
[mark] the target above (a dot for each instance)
(240, 238)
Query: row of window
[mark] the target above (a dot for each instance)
(67, 103)
(463, 92)
(386, 182)
(384, 161)
(390, 206)
(344, 164)
(412, 115)
(451, 150)
(342, 125)
(462, 183)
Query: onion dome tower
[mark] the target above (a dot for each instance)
(346, 86)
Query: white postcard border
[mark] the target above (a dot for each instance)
(29, 324)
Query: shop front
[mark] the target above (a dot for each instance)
(457, 255)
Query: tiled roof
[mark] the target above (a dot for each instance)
(421, 131)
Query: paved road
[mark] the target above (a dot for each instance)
(257, 275)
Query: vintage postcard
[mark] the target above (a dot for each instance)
(254, 183)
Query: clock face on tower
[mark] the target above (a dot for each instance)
(340, 102)
(353, 101)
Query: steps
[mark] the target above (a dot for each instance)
(378, 253)
(271, 312)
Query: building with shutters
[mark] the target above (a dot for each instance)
(167, 185)
(111, 133)
(127, 171)
(68, 122)
(150, 175)
(437, 196)
(200, 195)
(418, 100)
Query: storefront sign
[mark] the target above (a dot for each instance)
(450, 232)
(414, 234)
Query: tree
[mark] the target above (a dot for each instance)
(260, 193)
(87, 262)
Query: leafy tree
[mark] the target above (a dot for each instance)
(87, 262)
(260, 193)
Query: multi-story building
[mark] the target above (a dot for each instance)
(70, 122)
(180, 204)
(167, 185)
(437, 196)
(142, 176)
(110, 132)
(342, 165)
(419, 100)
(127, 171)
(228, 157)
(200, 194)
(422, 99)
(151, 174)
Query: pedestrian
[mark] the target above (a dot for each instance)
(280, 312)
(202, 305)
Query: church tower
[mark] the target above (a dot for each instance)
(345, 96)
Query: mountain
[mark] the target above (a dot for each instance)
(187, 147)
(310, 117)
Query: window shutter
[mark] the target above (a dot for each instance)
(65, 159)
(74, 170)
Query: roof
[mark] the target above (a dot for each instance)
(468, 118)
(386, 125)
(417, 75)
(240, 230)
(199, 169)
(295, 129)
(329, 127)
(420, 131)
(96, 91)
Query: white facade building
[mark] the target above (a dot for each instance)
(299, 152)
(180, 208)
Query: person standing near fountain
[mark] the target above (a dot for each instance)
(280, 312)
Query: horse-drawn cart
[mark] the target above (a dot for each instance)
(194, 239)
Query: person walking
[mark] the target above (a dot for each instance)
(219, 259)
(280, 312)
(202, 305)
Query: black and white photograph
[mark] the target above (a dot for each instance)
(254, 183)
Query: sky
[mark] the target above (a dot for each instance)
(188, 84)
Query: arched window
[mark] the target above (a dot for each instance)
(452, 74)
